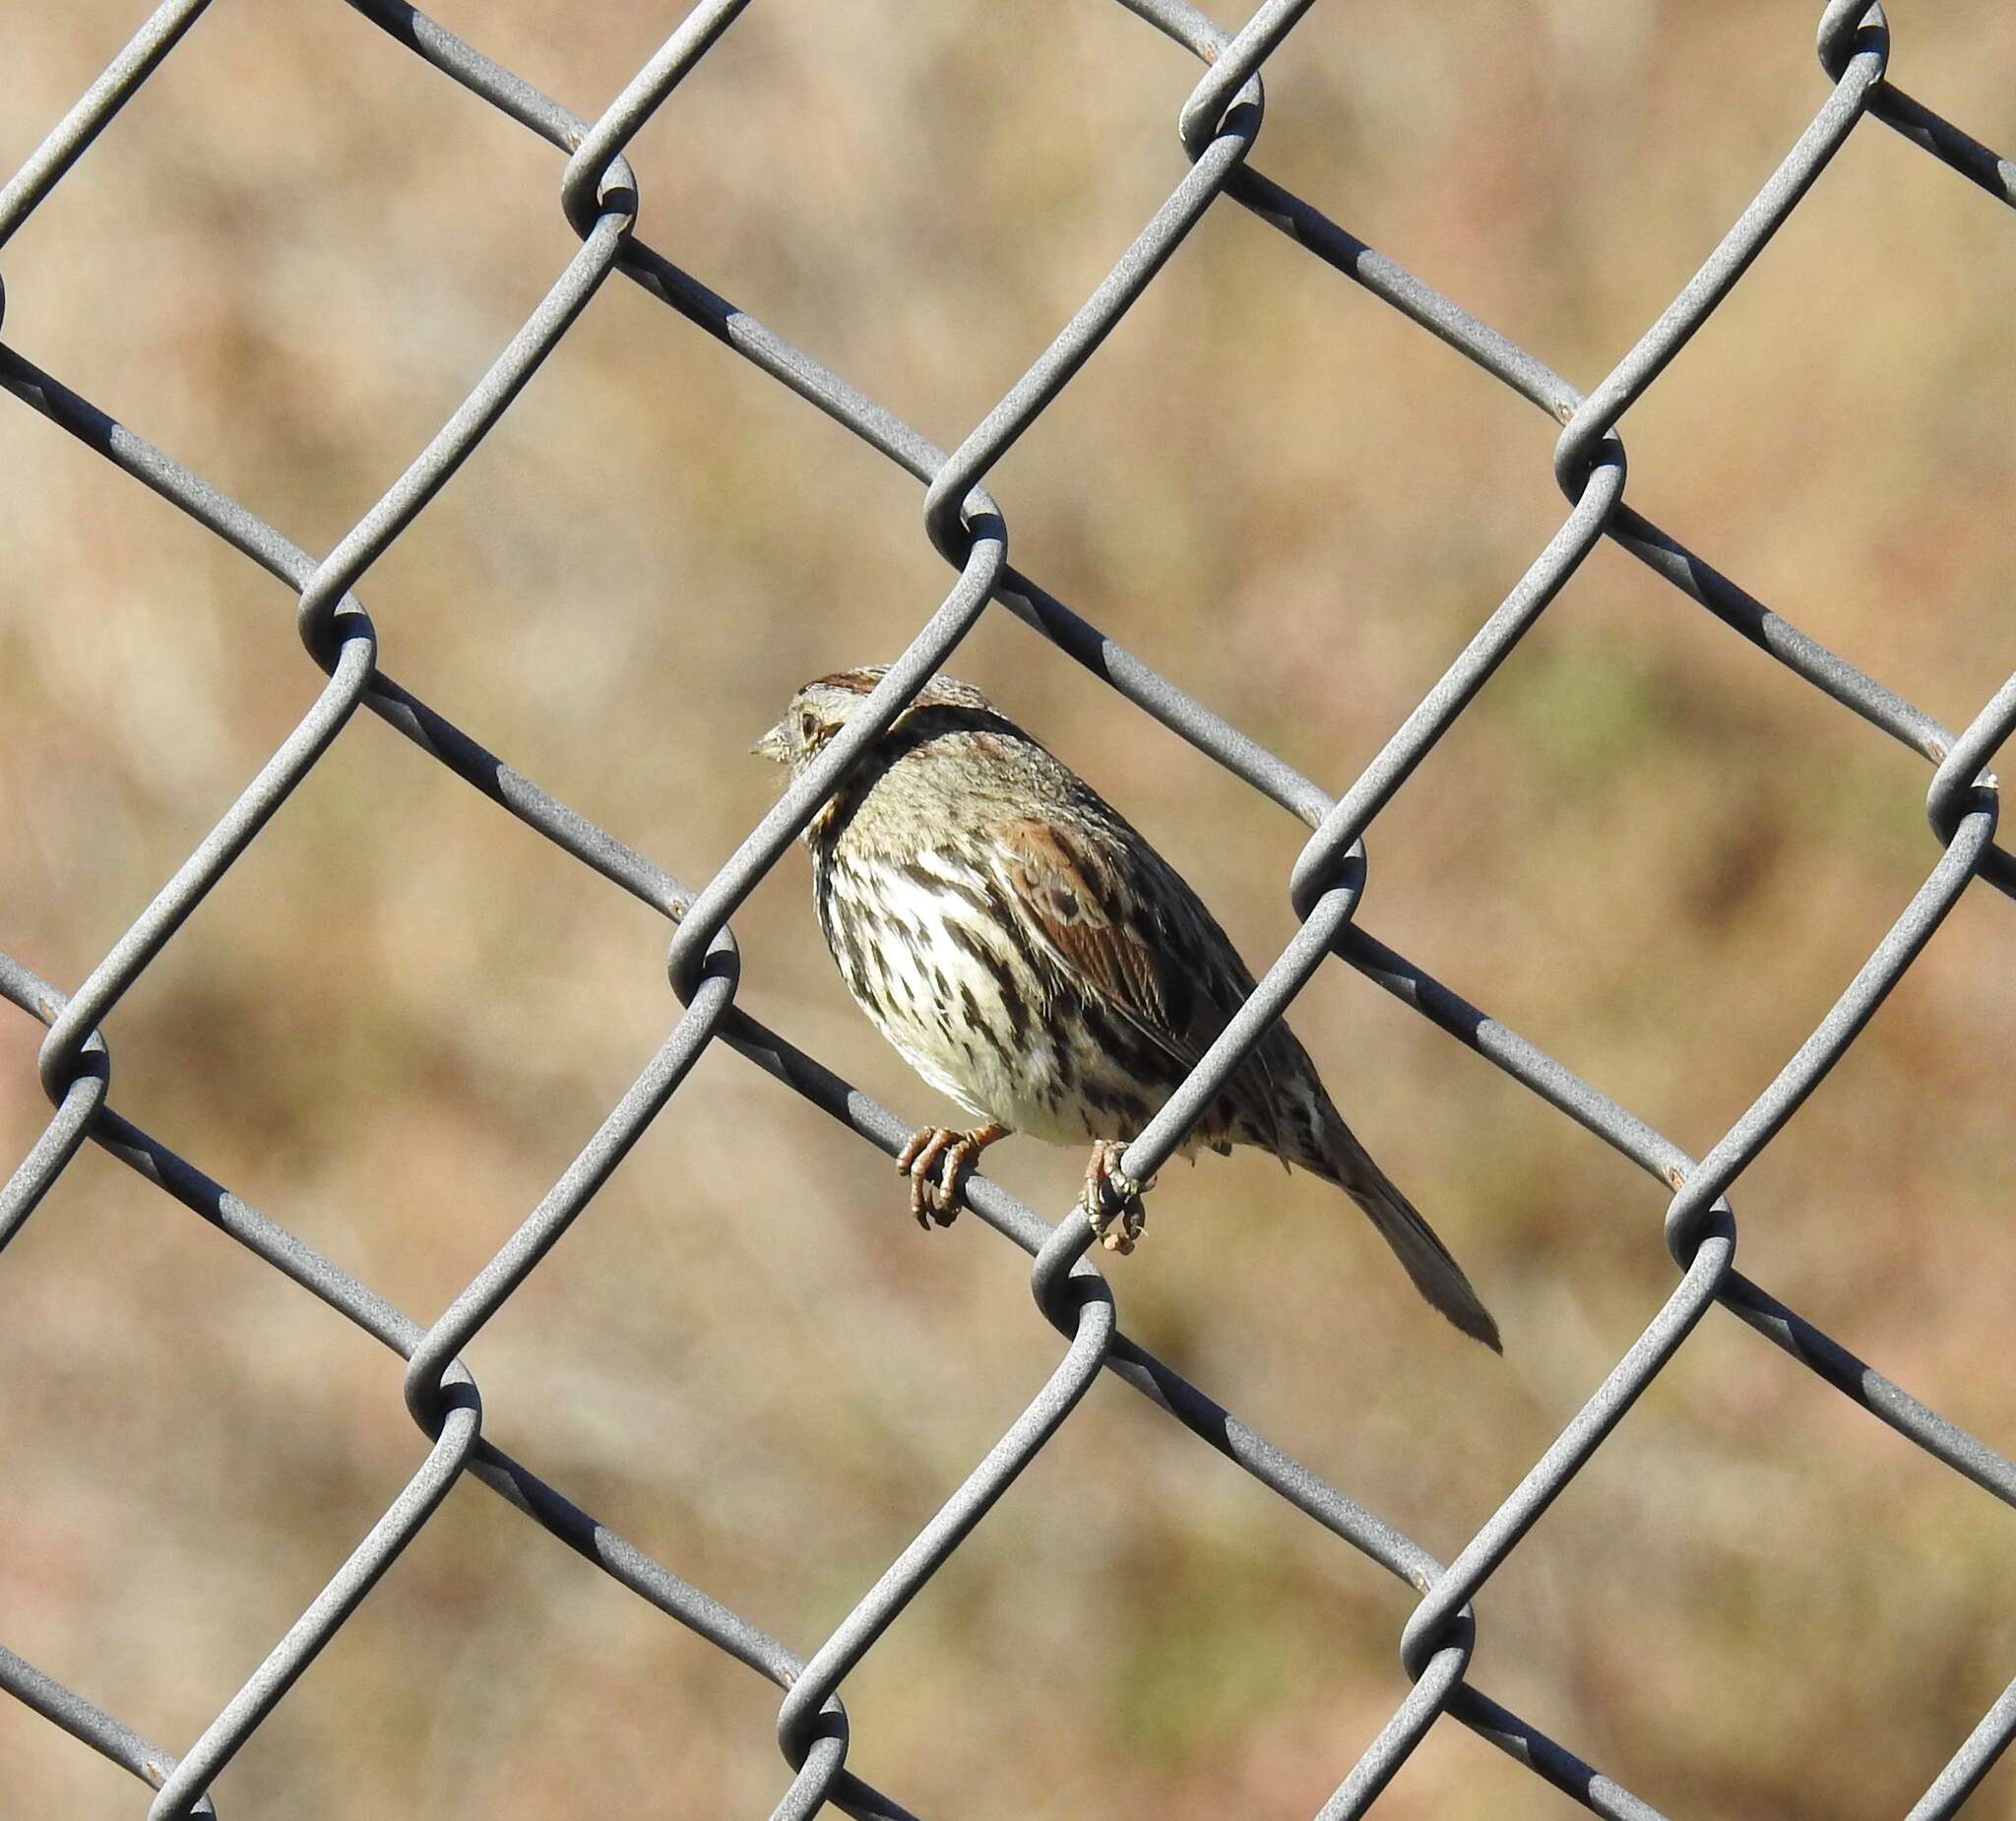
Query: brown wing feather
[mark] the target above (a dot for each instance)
(1078, 901)
(1076, 904)
(1077, 898)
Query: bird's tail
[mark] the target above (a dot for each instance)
(1435, 1274)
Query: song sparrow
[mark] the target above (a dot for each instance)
(1035, 958)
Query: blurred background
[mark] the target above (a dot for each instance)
(1647, 847)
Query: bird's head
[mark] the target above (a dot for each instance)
(821, 709)
(816, 714)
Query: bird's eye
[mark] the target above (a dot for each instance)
(809, 725)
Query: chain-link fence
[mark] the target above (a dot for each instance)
(1220, 124)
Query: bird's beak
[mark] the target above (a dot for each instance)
(772, 746)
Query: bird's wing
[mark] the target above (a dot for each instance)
(1072, 895)
(1125, 925)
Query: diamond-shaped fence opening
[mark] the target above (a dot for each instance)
(1444, 1645)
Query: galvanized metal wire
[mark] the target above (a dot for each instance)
(1218, 127)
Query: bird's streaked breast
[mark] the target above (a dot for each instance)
(942, 968)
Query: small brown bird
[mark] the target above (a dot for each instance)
(1037, 961)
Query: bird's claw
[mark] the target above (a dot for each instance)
(930, 1196)
(1113, 1199)
(934, 1160)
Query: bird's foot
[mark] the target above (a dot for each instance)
(934, 1160)
(1112, 1198)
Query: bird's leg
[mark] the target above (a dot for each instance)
(1112, 1198)
(926, 1144)
(933, 1160)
